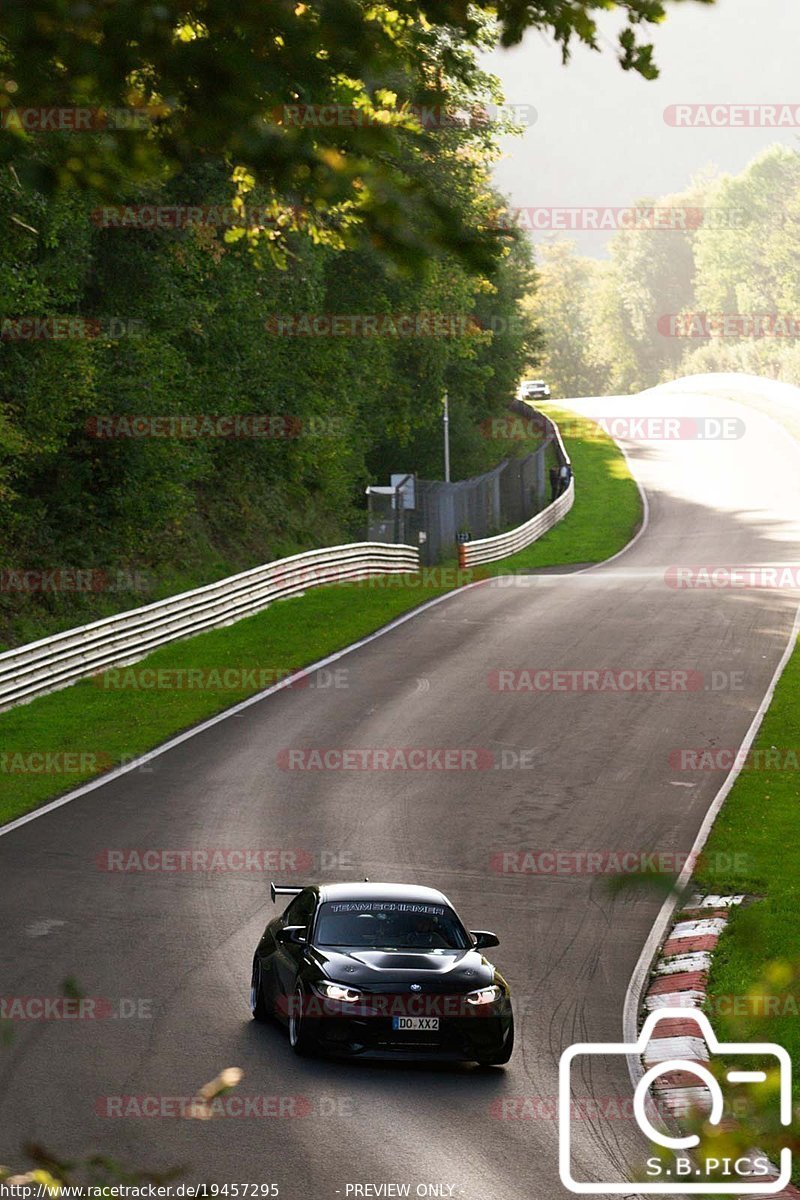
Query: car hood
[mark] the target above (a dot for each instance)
(385, 970)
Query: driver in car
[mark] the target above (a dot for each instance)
(424, 932)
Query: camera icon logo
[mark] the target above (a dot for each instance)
(745, 1176)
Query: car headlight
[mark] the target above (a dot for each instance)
(337, 991)
(486, 995)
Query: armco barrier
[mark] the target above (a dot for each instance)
(470, 554)
(54, 662)
(484, 550)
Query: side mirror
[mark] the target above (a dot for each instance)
(484, 939)
(292, 935)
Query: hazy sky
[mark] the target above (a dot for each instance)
(601, 138)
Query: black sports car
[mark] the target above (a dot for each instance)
(381, 969)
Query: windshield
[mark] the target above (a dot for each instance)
(390, 925)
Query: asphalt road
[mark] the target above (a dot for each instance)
(574, 771)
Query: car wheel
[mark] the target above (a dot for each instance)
(298, 1027)
(258, 1008)
(502, 1056)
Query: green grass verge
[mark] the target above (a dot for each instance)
(754, 987)
(603, 485)
(754, 983)
(118, 587)
(89, 720)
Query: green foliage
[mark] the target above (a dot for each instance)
(115, 723)
(564, 308)
(217, 78)
(184, 329)
(385, 213)
(607, 324)
(754, 987)
(603, 484)
(649, 277)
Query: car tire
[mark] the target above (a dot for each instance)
(299, 1039)
(258, 1007)
(502, 1056)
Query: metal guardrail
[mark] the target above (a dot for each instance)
(55, 662)
(484, 550)
(552, 432)
(470, 554)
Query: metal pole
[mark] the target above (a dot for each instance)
(398, 500)
(446, 422)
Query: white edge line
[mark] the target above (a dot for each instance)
(135, 763)
(633, 996)
(642, 493)
(641, 972)
(291, 680)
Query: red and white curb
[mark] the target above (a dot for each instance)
(680, 980)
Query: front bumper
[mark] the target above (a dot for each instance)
(473, 1037)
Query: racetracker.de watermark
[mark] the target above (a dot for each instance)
(705, 325)
(150, 217)
(386, 1005)
(425, 577)
(75, 1008)
(199, 426)
(596, 679)
(367, 325)
(428, 116)
(162, 860)
(652, 428)
(712, 577)
(54, 762)
(156, 1106)
(217, 679)
(588, 1108)
(671, 429)
(528, 861)
(721, 758)
(515, 428)
(79, 119)
(71, 328)
(545, 1108)
(403, 758)
(72, 580)
(643, 218)
(732, 116)
(591, 218)
(753, 1004)
(310, 575)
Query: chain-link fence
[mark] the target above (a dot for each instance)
(436, 516)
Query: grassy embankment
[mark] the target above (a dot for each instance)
(121, 723)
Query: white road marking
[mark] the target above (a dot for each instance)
(42, 928)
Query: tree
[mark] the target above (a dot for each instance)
(746, 270)
(650, 280)
(562, 308)
(315, 102)
(747, 260)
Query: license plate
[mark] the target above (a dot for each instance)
(430, 1023)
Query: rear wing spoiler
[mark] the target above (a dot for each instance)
(278, 889)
